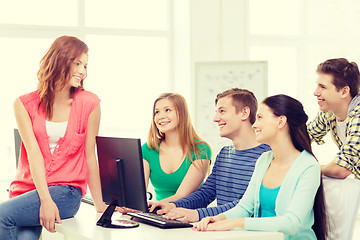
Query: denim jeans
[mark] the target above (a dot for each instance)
(19, 216)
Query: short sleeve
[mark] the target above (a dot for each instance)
(87, 100)
(204, 150)
(30, 102)
(146, 152)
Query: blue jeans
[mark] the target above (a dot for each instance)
(19, 216)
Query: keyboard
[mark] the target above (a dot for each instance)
(87, 199)
(158, 220)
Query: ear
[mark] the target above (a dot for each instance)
(345, 91)
(245, 113)
(282, 121)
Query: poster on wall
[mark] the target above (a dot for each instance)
(212, 78)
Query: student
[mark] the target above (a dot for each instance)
(234, 165)
(58, 123)
(176, 159)
(285, 193)
(337, 93)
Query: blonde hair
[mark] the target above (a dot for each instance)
(187, 134)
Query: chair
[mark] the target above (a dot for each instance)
(342, 197)
(17, 140)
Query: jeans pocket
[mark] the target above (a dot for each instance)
(67, 199)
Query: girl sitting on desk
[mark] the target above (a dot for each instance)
(58, 123)
(285, 193)
(175, 158)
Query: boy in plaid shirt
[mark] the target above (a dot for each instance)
(338, 97)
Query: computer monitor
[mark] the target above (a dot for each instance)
(121, 175)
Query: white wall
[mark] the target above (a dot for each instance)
(220, 32)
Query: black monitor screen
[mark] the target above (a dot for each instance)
(122, 172)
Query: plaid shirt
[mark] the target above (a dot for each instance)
(349, 154)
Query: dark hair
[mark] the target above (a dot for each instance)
(292, 109)
(345, 73)
(241, 98)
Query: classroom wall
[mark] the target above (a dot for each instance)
(219, 32)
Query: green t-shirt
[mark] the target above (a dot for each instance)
(166, 185)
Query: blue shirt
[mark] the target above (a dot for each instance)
(227, 182)
(294, 203)
(267, 198)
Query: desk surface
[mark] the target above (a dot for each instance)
(83, 226)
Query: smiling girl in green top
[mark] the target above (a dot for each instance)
(176, 159)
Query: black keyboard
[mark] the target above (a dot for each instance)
(158, 220)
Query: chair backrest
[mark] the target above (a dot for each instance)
(17, 140)
(342, 198)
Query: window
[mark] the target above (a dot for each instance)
(125, 14)
(130, 73)
(43, 12)
(130, 49)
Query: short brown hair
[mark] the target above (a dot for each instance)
(345, 73)
(241, 98)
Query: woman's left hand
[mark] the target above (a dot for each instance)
(225, 225)
(222, 225)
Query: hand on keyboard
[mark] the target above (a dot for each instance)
(155, 209)
(161, 207)
(158, 220)
(125, 210)
(183, 215)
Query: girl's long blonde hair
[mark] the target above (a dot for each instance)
(188, 137)
(56, 68)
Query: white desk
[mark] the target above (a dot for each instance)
(83, 227)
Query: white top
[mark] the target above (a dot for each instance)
(55, 130)
(340, 130)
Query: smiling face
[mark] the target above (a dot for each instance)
(79, 71)
(227, 119)
(326, 93)
(165, 116)
(266, 124)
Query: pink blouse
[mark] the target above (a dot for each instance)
(67, 165)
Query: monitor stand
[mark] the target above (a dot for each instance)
(105, 219)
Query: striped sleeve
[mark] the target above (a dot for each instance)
(203, 196)
(235, 169)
